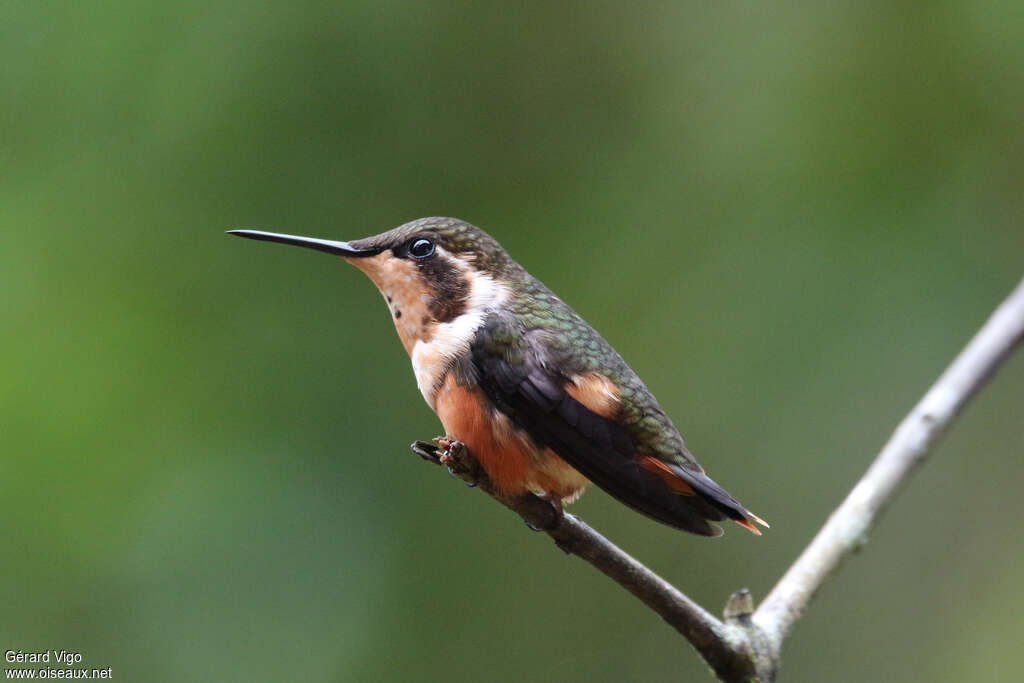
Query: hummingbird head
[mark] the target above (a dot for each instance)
(431, 271)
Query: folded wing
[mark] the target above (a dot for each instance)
(510, 368)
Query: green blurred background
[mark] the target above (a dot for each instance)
(787, 217)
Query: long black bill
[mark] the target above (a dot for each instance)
(329, 246)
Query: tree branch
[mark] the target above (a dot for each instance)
(907, 448)
(747, 645)
(723, 646)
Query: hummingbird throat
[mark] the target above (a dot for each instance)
(436, 309)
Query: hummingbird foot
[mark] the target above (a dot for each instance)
(539, 511)
(427, 451)
(451, 454)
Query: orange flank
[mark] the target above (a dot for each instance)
(512, 461)
(597, 393)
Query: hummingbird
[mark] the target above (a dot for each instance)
(538, 397)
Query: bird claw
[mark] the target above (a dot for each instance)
(444, 451)
(427, 451)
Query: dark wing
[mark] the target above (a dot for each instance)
(510, 368)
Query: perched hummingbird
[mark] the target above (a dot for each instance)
(538, 397)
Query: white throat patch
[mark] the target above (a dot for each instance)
(433, 358)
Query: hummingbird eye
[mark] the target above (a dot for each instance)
(421, 248)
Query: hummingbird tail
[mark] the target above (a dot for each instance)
(715, 503)
(719, 498)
